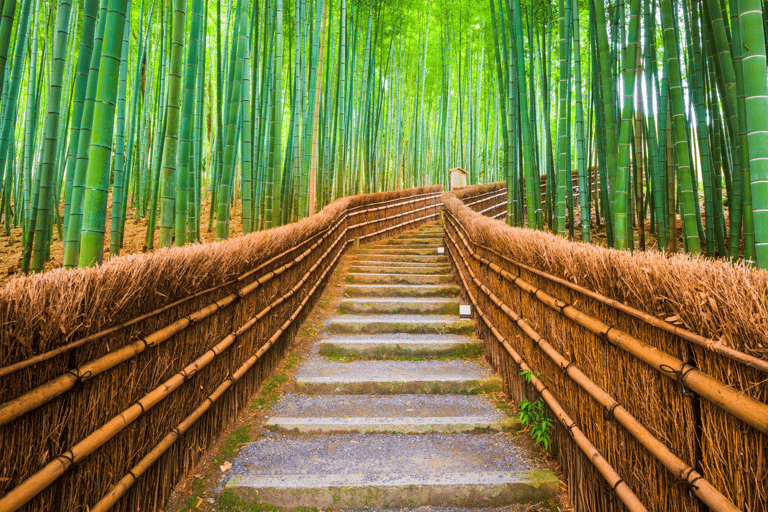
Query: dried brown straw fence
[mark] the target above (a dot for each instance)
(654, 366)
(114, 380)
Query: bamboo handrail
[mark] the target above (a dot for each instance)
(707, 343)
(485, 197)
(40, 395)
(6, 370)
(737, 404)
(29, 488)
(493, 207)
(710, 495)
(125, 483)
(614, 480)
(430, 194)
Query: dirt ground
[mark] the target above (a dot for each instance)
(133, 239)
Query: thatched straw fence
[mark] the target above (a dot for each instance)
(114, 380)
(655, 367)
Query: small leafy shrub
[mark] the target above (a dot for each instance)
(534, 415)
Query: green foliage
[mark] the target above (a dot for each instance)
(534, 415)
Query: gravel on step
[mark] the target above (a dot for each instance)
(390, 406)
(274, 454)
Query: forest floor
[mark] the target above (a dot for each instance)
(136, 229)
(133, 240)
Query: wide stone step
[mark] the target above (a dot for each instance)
(388, 471)
(401, 290)
(394, 250)
(400, 305)
(390, 346)
(402, 258)
(408, 324)
(319, 377)
(359, 268)
(401, 414)
(383, 278)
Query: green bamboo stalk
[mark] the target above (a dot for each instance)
(39, 240)
(185, 132)
(756, 99)
(682, 155)
(623, 211)
(100, 153)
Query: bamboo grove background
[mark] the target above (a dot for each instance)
(110, 393)
(650, 414)
(150, 109)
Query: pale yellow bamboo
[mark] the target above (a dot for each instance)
(614, 480)
(705, 491)
(745, 408)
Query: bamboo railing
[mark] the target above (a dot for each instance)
(655, 423)
(201, 356)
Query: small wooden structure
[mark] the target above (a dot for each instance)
(458, 177)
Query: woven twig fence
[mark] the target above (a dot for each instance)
(114, 380)
(655, 366)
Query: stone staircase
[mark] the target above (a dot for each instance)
(389, 409)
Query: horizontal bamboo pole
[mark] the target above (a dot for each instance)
(125, 483)
(412, 221)
(29, 488)
(707, 343)
(705, 491)
(6, 370)
(747, 409)
(614, 480)
(380, 208)
(44, 393)
(420, 197)
(485, 197)
(483, 212)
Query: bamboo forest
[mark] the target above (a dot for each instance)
(630, 124)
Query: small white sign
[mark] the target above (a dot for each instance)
(465, 311)
(441, 250)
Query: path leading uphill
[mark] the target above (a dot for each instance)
(389, 409)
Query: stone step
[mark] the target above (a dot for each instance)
(394, 250)
(408, 324)
(431, 242)
(400, 414)
(401, 290)
(402, 258)
(394, 262)
(383, 278)
(359, 268)
(379, 471)
(433, 233)
(399, 306)
(390, 346)
(319, 377)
